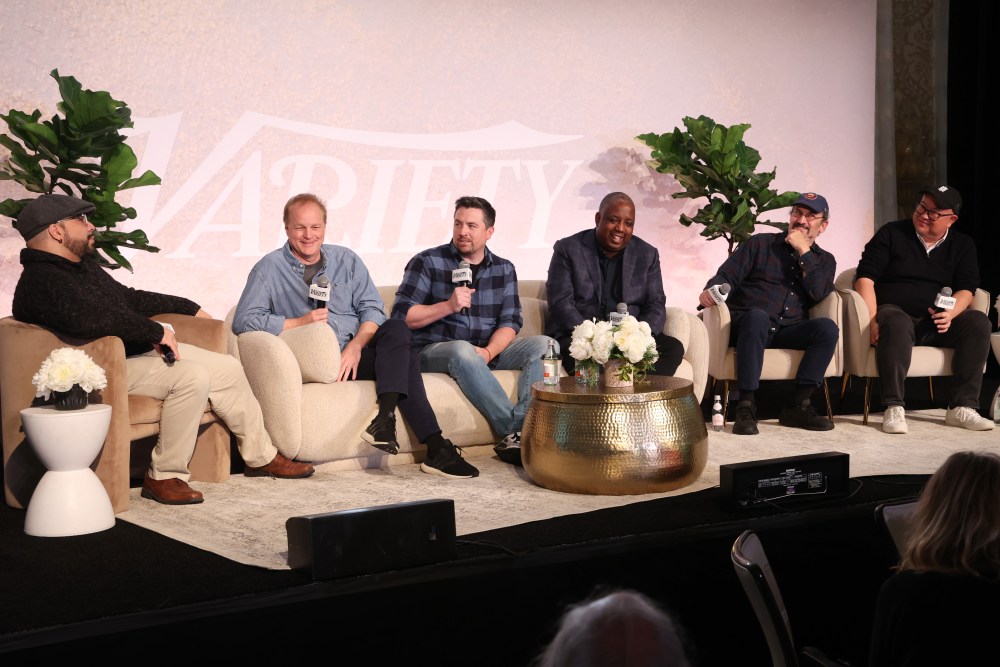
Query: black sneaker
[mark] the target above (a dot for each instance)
(448, 462)
(746, 419)
(381, 433)
(509, 449)
(805, 417)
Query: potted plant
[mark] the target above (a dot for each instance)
(70, 375)
(81, 153)
(627, 350)
(711, 160)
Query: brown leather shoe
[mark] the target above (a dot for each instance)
(171, 491)
(282, 467)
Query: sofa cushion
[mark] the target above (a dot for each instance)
(534, 312)
(316, 350)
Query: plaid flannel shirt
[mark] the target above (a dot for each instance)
(495, 303)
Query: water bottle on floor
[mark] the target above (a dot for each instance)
(717, 419)
(995, 408)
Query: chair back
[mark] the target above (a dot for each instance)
(896, 521)
(761, 588)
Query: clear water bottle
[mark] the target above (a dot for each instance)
(717, 419)
(550, 365)
(995, 408)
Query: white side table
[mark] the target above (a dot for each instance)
(69, 499)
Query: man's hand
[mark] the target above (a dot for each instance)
(318, 315)
(873, 330)
(706, 300)
(168, 341)
(799, 241)
(350, 356)
(942, 320)
(461, 298)
(483, 353)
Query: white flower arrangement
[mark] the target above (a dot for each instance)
(66, 367)
(630, 340)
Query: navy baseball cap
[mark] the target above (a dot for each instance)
(945, 196)
(814, 202)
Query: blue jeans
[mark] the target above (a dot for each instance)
(458, 358)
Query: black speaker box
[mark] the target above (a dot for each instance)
(372, 539)
(754, 483)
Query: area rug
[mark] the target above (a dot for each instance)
(244, 519)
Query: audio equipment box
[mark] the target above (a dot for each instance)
(372, 539)
(753, 483)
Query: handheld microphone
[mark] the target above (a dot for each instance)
(944, 300)
(719, 293)
(617, 317)
(462, 276)
(319, 292)
(168, 354)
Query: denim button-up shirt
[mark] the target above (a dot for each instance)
(276, 290)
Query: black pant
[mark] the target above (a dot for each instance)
(390, 361)
(752, 332)
(969, 335)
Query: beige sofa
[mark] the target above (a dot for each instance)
(313, 418)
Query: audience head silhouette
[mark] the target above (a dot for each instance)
(956, 524)
(623, 628)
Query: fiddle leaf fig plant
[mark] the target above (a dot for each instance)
(81, 153)
(712, 161)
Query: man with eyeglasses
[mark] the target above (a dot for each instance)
(775, 279)
(902, 269)
(62, 287)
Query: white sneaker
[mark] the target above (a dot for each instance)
(894, 419)
(967, 418)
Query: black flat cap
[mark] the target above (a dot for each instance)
(47, 209)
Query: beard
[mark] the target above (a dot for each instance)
(82, 248)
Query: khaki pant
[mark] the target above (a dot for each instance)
(198, 376)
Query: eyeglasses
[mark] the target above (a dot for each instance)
(805, 213)
(931, 213)
(82, 218)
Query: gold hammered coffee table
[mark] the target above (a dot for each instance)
(648, 438)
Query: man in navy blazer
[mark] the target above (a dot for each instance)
(595, 270)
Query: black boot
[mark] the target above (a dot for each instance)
(746, 418)
(804, 416)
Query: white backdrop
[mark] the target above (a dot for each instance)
(391, 110)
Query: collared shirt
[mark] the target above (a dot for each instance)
(766, 273)
(276, 290)
(495, 303)
(930, 246)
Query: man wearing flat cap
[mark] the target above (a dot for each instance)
(775, 279)
(62, 287)
(902, 271)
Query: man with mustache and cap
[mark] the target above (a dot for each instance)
(62, 287)
(902, 270)
(775, 279)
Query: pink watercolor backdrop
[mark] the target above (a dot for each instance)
(390, 110)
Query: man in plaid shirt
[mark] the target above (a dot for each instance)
(469, 331)
(775, 280)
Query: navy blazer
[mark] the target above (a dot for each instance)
(574, 285)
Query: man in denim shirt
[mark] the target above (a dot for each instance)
(469, 331)
(276, 298)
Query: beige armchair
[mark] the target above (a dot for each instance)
(135, 420)
(859, 353)
(779, 364)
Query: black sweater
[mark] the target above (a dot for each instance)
(81, 300)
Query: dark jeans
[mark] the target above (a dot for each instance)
(752, 333)
(969, 335)
(390, 361)
(670, 349)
